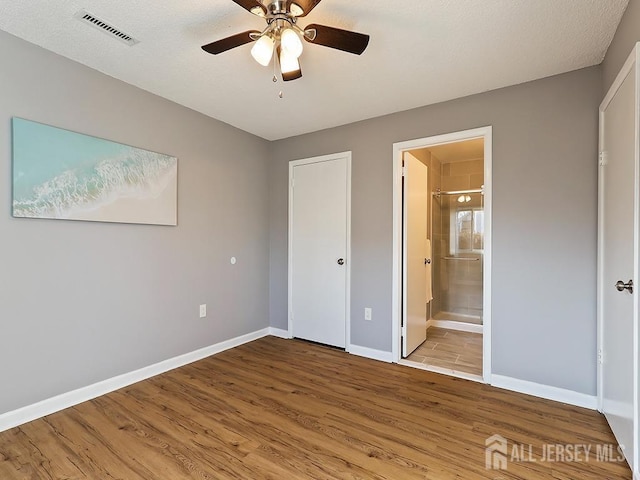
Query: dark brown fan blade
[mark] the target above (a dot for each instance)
(252, 6)
(230, 42)
(305, 5)
(337, 38)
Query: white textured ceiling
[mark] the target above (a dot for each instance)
(421, 52)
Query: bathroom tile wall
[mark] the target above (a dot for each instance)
(463, 175)
(435, 232)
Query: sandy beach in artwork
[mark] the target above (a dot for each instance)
(157, 206)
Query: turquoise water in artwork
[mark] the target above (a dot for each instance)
(56, 171)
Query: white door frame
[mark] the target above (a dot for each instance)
(396, 287)
(306, 161)
(633, 61)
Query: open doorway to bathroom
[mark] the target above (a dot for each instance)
(442, 252)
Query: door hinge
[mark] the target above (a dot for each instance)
(404, 171)
(293, 182)
(603, 159)
(600, 357)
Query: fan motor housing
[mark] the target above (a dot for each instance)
(277, 6)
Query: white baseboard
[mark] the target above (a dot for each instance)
(453, 325)
(60, 402)
(370, 353)
(278, 332)
(545, 391)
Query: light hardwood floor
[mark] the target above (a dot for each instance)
(286, 409)
(450, 349)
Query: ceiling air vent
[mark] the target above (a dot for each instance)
(103, 26)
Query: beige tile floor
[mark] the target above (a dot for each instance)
(451, 349)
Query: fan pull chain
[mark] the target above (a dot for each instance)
(275, 76)
(274, 59)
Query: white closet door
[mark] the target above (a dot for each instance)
(318, 242)
(618, 260)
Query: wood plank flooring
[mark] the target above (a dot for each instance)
(451, 349)
(286, 409)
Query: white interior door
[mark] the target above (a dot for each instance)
(618, 260)
(416, 210)
(319, 213)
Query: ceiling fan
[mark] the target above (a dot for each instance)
(282, 35)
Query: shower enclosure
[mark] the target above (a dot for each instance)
(458, 255)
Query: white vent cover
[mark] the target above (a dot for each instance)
(105, 27)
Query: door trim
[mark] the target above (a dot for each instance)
(306, 161)
(396, 287)
(632, 62)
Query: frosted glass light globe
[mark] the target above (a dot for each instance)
(288, 63)
(291, 43)
(262, 51)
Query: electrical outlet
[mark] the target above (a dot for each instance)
(367, 313)
(203, 310)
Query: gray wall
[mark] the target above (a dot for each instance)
(627, 34)
(81, 302)
(544, 221)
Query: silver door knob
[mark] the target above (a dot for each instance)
(620, 285)
(341, 261)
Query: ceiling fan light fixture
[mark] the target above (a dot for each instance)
(282, 37)
(296, 10)
(262, 50)
(290, 42)
(288, 63)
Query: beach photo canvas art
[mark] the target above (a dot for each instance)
(66, 175)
